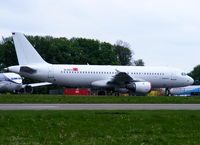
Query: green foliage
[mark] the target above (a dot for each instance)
(7, 53)
(99, 127)
(94, 99)
(139, 62)
(195, 74)
(123, 55)
(69, 51)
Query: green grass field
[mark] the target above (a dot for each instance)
(94, 99)
(100, 127)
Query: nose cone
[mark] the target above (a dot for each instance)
(190, 81)
(15, 69)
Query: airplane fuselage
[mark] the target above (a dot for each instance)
(132, 78)
(85, 75)
(10, 82)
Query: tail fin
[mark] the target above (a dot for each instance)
(26, 53)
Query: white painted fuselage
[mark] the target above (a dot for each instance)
(10, 82)
(85, 75)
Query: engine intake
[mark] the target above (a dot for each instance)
(140, 87)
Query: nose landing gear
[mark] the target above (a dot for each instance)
(167, 92)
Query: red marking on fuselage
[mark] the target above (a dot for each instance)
(75, 69)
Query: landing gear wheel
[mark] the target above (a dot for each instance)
(101, 93)
(167, 92)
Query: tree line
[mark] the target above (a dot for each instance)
(69, 51)
(195, 74)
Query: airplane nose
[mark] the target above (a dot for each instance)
(190, 80)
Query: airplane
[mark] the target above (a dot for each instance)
(12, 82)
(137, 79)
(192, 90)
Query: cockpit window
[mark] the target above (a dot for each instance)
(15, 78)
(183, 74)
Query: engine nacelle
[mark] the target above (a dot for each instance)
(28, 89)
(140, 87)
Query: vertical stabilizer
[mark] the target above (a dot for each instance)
(26, 53)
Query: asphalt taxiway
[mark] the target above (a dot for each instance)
(99, 106)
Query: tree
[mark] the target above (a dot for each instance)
(139, 62)
(195, 74)
(123, 52)
(70, 51)
(7, 53)
(123, 44)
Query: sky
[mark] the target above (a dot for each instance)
(161, 32)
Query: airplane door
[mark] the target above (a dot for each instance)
(173, 77)
(50, 73)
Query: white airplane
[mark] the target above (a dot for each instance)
(132, 78)
(12, 82)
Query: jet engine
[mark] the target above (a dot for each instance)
(28, 89)
(140, 87)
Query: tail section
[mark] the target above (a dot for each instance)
(26, 53)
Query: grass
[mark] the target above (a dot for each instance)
(9, 98)
(100, 127)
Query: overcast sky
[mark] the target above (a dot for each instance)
(161, 32)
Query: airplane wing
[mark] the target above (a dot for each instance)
(120, 79)
(36, 84)
(123, 78)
